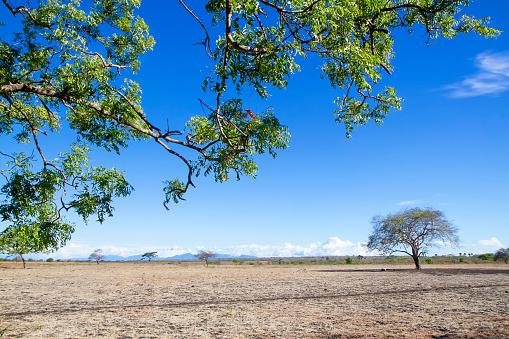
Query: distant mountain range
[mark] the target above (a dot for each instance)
(185, 256)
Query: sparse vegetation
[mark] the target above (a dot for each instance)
(3, 329)
(371, 300)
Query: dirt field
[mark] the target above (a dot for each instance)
(161, 300)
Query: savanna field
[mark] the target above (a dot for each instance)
(190, 300)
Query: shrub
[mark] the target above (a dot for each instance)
(429, 261)
(462, 259)
(349, 260)
(49, 260)
(486, 256)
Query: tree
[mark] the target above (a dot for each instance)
(237, 261)
(502, 254)
(97, 255)
(66, 66)
(149, 255)
(411, 231)
(205, 255)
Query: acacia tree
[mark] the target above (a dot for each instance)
(411, 232)
(149, 255)
(205, 255)
(68, 66)
(97, 255)
(502, 254)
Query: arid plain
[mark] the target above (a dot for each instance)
(189, 300)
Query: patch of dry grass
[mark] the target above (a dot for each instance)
(157, 300)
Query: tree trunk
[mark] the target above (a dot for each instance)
(21, 255)
(416, 261)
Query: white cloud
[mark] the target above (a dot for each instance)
(333, 246)
(482, 246)
(492, 77)
(410, 202)
(493, 242)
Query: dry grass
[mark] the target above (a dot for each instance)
(158, 300)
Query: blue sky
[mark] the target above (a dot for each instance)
(446, 149)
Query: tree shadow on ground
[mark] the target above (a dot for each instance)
(432, 271)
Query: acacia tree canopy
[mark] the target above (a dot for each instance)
(502, 254)
(97, 255)
(149, 255)
(68, 66)
(205, 255)
(411, 232)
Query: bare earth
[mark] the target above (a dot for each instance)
(161, 300)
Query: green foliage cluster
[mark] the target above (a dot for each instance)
(149, 255)
(429, 261)
(68, 66)
(349, 261)
(486, 256)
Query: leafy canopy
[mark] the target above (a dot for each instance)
(149, 255)
(411, 232)
(502, 254)
(68, 66)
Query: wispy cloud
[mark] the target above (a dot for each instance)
(492, 77)
(410, 202)
(493, 243)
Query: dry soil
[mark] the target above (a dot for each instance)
(161, 300)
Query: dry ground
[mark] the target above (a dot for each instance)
(161, 300)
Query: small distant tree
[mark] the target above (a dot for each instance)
(502, 254)
(238, 261)
(205, 255)
(25, 238)
(410, 232)
(149, 255)
(97, 256)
